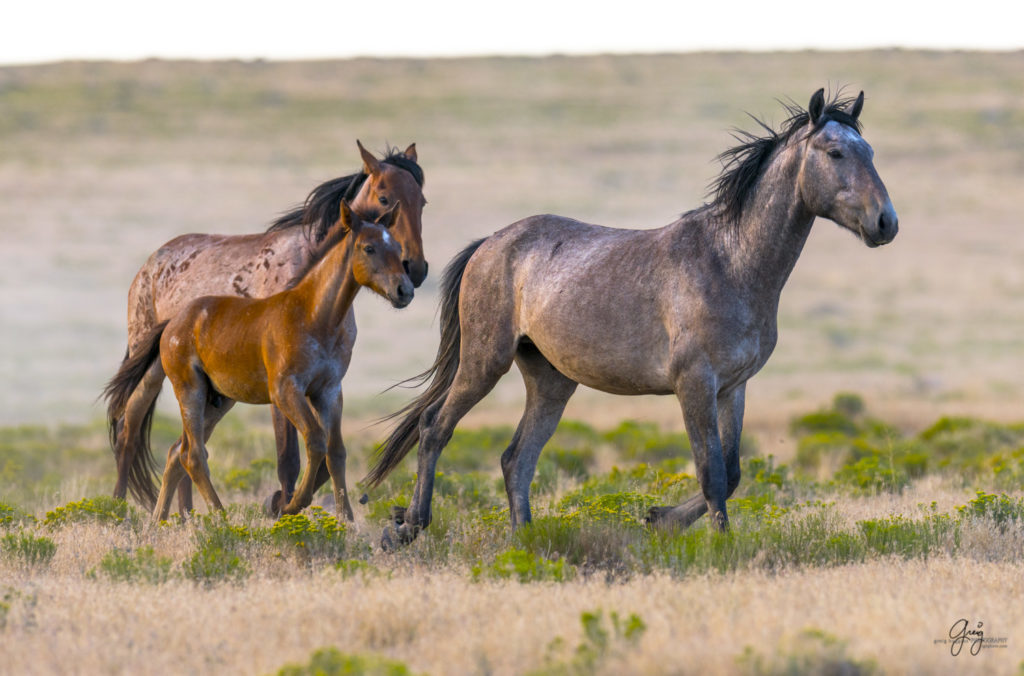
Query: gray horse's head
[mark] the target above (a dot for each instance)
(837, 178)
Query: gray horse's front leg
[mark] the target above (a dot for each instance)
(730, 424)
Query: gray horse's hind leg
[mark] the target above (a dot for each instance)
(547, 393)
(477, 375)
(730, 424)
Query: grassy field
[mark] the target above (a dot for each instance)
(860, 535)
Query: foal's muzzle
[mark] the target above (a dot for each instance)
(402, 294)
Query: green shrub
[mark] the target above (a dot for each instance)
(813, 652)
(908, 538)
(1001, 509)
(644, 442)
(13, 517)
(475, 450)
(249, 479)
(142, 564)
(28, 548)
(319, 533)
(332, 662)
(524, 566)
(602, 640)
(102, 509)
(212, 564)
(872, 474)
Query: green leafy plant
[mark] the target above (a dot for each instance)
(141, 565)
(333, 662)
(101, 509)
(31, 549)
(524, 566)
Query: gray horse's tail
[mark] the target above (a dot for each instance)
(118, 391)
(407, 432)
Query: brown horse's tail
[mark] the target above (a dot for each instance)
(118, 391)
(407, 433)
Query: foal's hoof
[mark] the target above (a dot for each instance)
(272, 505)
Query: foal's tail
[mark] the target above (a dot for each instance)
(407, 433)
(117, 393)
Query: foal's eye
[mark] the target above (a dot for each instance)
(383, 200)
(369, 250)
(835, 154)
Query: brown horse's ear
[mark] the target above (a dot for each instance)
(349, 221)
(857, 106)
(817, 105)
(410, 152)
(371, 165)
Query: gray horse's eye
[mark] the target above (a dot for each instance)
(835, 154)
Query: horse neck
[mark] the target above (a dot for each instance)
(328, 289)
(766, 241)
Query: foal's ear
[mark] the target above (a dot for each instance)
(387, 219)
(857, 106)
(371, 164)
(410, 152)
(817, 105)
(349, 221)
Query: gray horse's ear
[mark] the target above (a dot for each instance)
(857, 106)
(817, 105)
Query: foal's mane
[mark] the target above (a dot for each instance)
(320, 210)
(334, 237)
(743, 164)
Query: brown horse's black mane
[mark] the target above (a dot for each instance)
(320, 210)
(742, 165)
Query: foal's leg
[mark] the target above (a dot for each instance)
(174, 470)
(336, 454)
(293, 403)
(730, 424)
(547, 393)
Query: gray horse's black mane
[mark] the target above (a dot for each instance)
(742, 165)
(320, 210)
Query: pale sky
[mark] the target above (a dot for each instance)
(50, 30)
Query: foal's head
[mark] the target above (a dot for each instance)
(390, 187)
(377, 258)
(838, 180)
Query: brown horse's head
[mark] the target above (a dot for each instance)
(388, 187)
(377, 258)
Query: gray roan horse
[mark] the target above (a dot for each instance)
(257, 266)
(688, 309)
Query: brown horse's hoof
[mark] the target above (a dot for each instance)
(272, 505)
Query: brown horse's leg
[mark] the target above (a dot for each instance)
(730, 423)
(288, 463)
(129, 438)
(547, 393)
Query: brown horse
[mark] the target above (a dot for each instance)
(257, 266)
(283, 350)
(689, 309)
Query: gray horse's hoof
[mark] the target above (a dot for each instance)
(398, 533)
(656, 516)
